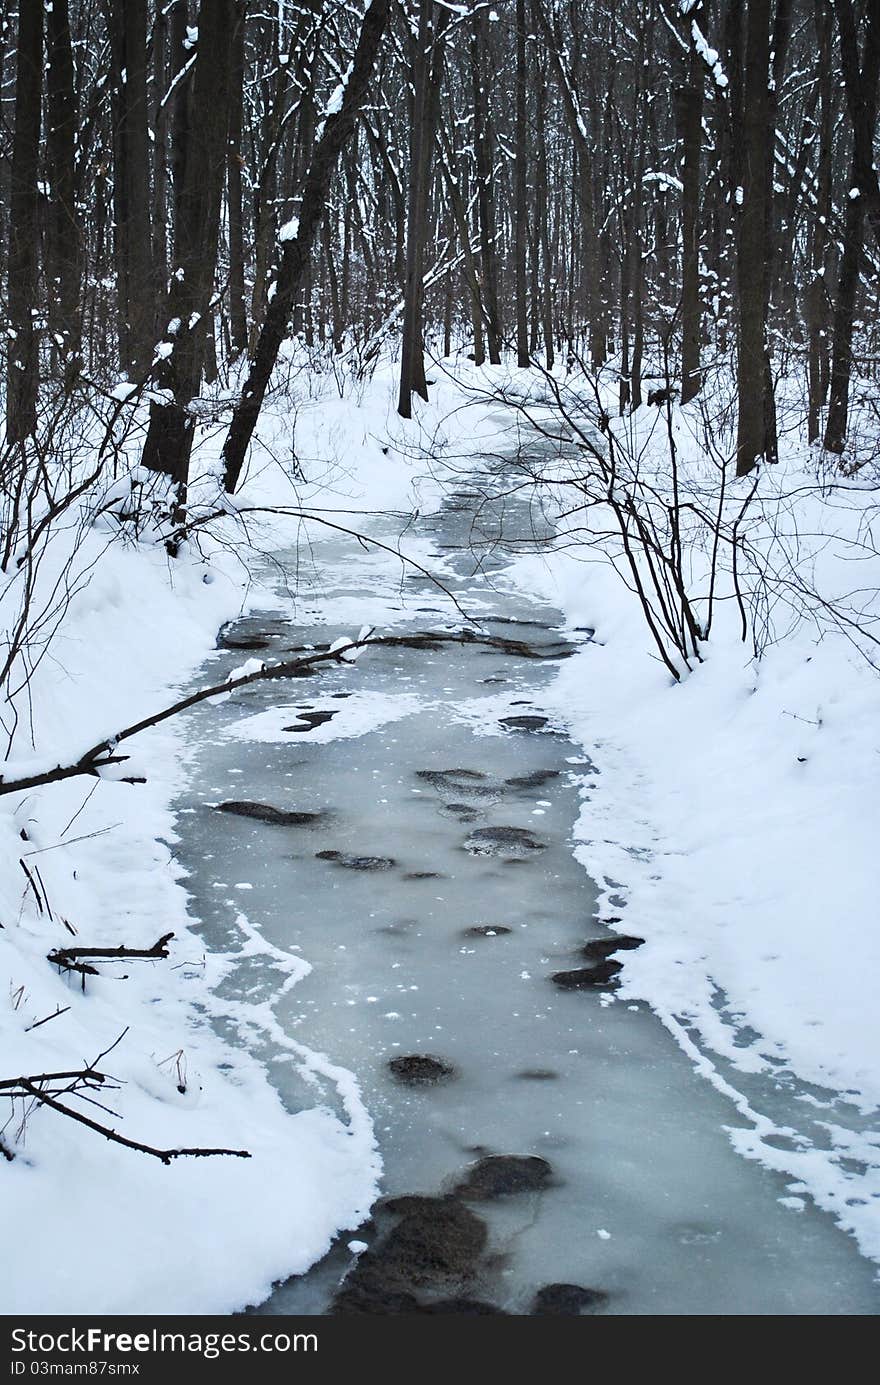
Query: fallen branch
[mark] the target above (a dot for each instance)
(60, 1010)
(83, 968)
(101, 755)
(84, 1079)
(83, 1075)
(65, 956)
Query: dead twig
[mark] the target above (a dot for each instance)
(46, 1088)
(64, 956)
(60, 1010)
(102, 754)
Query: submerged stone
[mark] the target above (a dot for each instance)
(536, 780)
(246, 642)
(342, 858)
(502, 841)
(463, 783)
(264, 812)
(524, 723)
(435, 1245)
(502, 1175)
(588, 978)
(598, 949)
(464, 1307)
(568, 1300)
(487, 930)
(461, 812)
(421, 1069)
(311, 720)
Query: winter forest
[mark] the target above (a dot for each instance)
(439, 653)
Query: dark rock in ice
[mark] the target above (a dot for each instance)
(536, 780)
(464, 1307)
(524, 723)
(487, 930)
(587, 978)
(538, 1075)
(436, 1237)
(424, 875)
(599, 948)
(567, 1300)
(502, 841)
(463, 783)
(420, 1069)
(514, 620)
(502, 1175)
(311, 720)
(342, 858)
(264, 812)
(231, 641)
(366, 1294)
(435, 1245)
(461, 812)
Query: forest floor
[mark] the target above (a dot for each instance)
(731, 824)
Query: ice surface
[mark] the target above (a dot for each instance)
(652, 1203)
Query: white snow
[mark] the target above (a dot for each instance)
(359, 714)
(732, 815)
(202, 1235)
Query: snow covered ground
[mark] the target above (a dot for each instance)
(731, 815)
(92, 1226)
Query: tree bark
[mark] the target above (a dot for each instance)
(691, 120)
(816, 305)
(23, 359)
(485, 186)
(754, 432)
(427, 69)
(520, 208)
(169, 440)
(63, 228)
(338, 128)
(235, 160)
(131, 185)
(861, 80)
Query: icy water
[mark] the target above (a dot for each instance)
(647, 1200)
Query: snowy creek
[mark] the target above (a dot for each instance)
(434, 894)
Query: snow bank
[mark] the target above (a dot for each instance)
(91, 1226)
(731, 821)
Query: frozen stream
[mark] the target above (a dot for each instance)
(647, 1202)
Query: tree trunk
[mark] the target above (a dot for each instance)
(816, 306)
(691, 120)
(338, 128)
(427, 69)
(237, 312)
(63, 228)
(861, 90)
(520, 213)
(169, 439)
(754, 433)
(23, 358)
(131, 183)
(860, 84)
(590, 250)
(485, 184)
